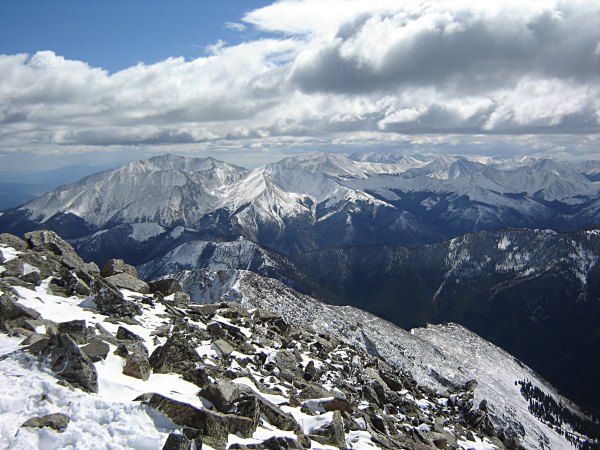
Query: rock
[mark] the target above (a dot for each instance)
(332, 433)
(110, 301)
(77, 329)
(273, 443)
(137, 365)
(13, 314)
(181, 299)
(96, 350)
(45, 240)
(177, 355)
(177, 441)
(116, 267)
(310, 372)
(166, 286)
(125, 335)
(56, 421)
(161, 331)
(33, 338)
(222, 347)
(129, 282)
(214, 427)
(222, 394)
(10, 240)
(286, 360)
(67, 361)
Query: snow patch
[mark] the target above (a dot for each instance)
(504, 243)
(141, 232)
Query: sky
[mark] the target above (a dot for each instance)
(249, 81)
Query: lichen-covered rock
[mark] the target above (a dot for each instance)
(57, 421)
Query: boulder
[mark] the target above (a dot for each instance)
(96, 350)
(181, 299)
(177, 441)
(332, 433)
(49, 241)
(137, 365)
(67, 361)
(57, 421)
(110, 301)
(177, 355)
(116, 267)
(129, 282)
(213, 426)
(222, 394)
(165, 286)
(125, 335)
(77, 329)
(222, 347)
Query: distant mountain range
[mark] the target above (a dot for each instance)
(412, 240)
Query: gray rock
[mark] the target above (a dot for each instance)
(181, 299)
(127, 281)
(45, 240)
(177, 355)
(166, 286)
(286, 360)
(222, 347)
(125, 335)
(67, 361)
(116, 267)
(77, 329)
(137, 366)
(10, 309)
(332, 434)
(222, 394)
(110, 301)
(214, 427)
(57, 421)
(10, 240)
(96, 350)
(177, 441)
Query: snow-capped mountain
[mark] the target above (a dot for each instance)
(102, 359)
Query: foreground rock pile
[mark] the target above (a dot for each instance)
(255, 380)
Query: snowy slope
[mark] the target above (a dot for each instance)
(438, 356)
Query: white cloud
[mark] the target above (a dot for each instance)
(235, 26)
(342, 72)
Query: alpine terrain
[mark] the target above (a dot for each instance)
(306, 274)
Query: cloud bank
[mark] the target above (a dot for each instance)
(330, 72)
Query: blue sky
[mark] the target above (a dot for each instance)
(116, 34)
(100, 82)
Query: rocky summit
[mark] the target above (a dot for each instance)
(96, 358)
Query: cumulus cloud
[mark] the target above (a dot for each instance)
(332, 72)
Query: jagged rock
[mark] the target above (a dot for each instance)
(222, 394)
(222, 347)
(137, 365)
(110, 301)
(33, 338)
(161, 331)
(71, 283)
(165, 286)
(177, 441)
(310, 372)
(177, 355)
(96, 350)
(286, 360)
(214, 427)
(66, 358)
(207, 310)
(45, 240)
(13, 314)
(57, 421)
(125, 335)
(10, 240)
(127, 281)
(77, 329)
(116, 267)
(332, 433)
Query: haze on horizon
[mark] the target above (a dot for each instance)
(251, 82)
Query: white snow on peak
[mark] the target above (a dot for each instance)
(141, 232)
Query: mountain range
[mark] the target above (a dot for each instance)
(506, 247)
